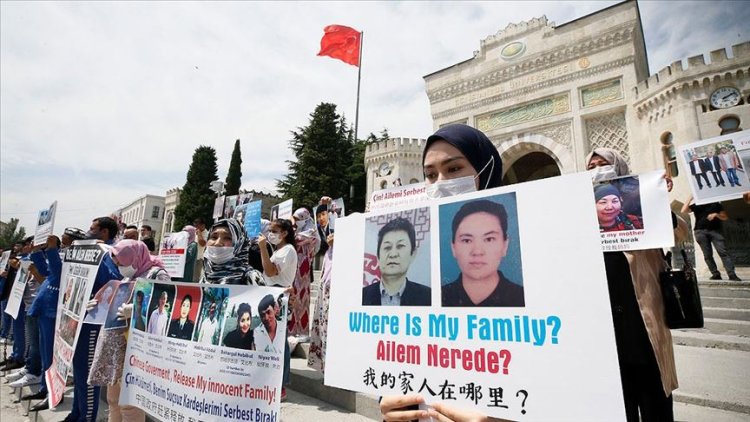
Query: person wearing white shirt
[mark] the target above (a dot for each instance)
(157, 323)
(209, 326)
(267, 337)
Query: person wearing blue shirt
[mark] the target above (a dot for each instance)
(85, 396)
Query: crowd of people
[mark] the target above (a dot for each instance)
(456, 159)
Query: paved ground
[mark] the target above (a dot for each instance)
(297, 408)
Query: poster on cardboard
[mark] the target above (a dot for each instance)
(200, 352)
(173, 253)
(633, 212)
(4, 259)
(282, 210)
(717, 168)
(16, 291)
(218, 208)
(45, 223)
(491, 309)
(80, 265)
(252, 218)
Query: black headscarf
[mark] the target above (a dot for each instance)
(476, 147)
(238, 269)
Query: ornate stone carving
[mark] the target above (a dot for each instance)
(482, 101)
(547, 107)
(533, 63)
(609, 131)
(601, 93)
(558, 133)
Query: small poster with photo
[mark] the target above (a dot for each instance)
(45, 224)
(717, 168)
(633, 212)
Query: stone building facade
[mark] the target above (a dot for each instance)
(547, 94)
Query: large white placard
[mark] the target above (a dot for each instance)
(173, 253)
(205, 352)
(45, 224)
(542, 349)
(633, 212)
(19, 285)
(80, 266)
(717, 168)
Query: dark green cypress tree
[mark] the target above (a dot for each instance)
(197, 198)
(323, 150)
(234, 175)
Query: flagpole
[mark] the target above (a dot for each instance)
(359, 79)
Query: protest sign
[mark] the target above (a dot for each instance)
(282, 210)
(16, 293)
(230, 205)
(4, 258)
(45, 224)
(717, 168)
(335, 210)
(528, 348)
(218, 208)
(252, 218)
(633, 212)
(245, 198)
(80, 265)
(397, 197)
(173, 253)
(109, 298)
(205, 353)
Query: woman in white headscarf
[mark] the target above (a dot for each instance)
(307, 244)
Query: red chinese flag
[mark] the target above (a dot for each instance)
(341, 42)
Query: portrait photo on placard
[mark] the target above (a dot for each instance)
(162, 301)
(141, 298)
(240, 320)
(185, 312)
(122, 296)
(211, 315)
(716, 169)
(397, 259)
(618, 204)
(480, 253)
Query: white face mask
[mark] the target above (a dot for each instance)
(219, 254)
(127, 272)
(451, 187)
(273, 238)
(603, 173)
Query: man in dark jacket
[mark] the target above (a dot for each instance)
(698, 170)
(396, 251)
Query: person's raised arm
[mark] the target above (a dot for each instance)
(269, 268)
(686, 206)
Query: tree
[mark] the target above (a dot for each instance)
(234, 175)
(197, 198)
(11, 234)
(324, 158)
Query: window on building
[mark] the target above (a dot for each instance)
(413, 180)
(383, 184)
(670, 157)
(155, 212)
(729, 124)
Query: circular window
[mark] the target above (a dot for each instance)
(729, 125)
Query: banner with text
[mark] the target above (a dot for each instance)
(80, 265)
(45, 224)
(717, 168)
(205, 352)
(397, 197)
(494, 301)
(633, 212)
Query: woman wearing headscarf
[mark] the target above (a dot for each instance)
(190, 254)
(609, 210)
(308, 242)
(319, 330)
(456, 159)
(134, 260)
(225, 260)
(644, 343)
